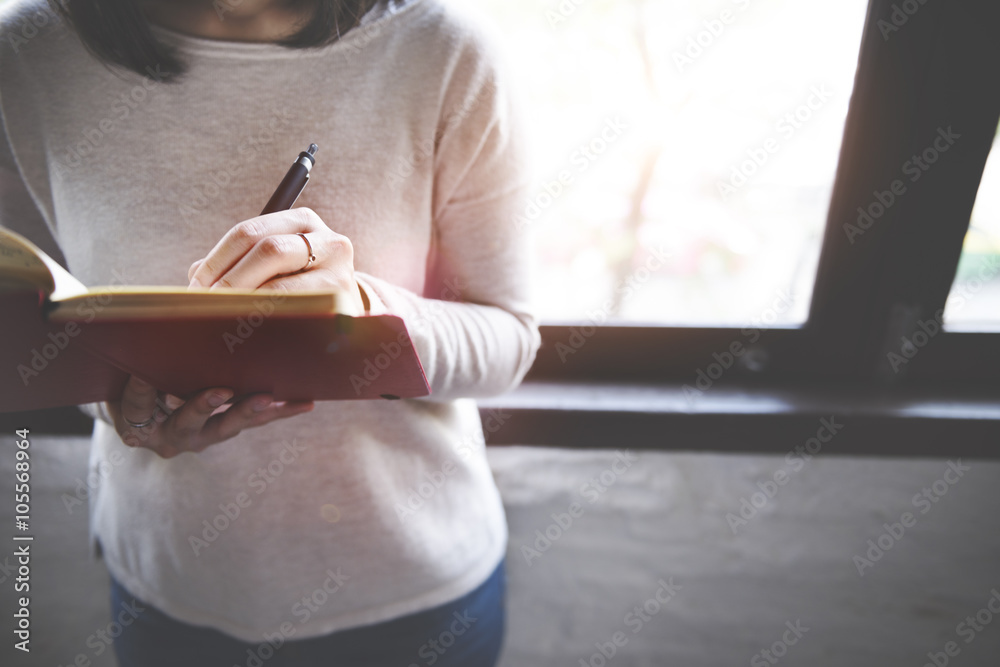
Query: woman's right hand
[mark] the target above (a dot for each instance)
(195, 424)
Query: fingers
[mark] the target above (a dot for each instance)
(321, 279)
(187, 422)
(169, 403)
(250, 412)
(138, 402)
(272, 256)
(239, 240)
(197, 423)
(193, 268)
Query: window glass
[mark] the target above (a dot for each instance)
(974, 301)
(684, 151)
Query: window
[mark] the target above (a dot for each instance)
(873, 345)
(974, 302)
(685, 152)
(782, 269)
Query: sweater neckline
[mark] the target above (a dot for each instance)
(368, 29)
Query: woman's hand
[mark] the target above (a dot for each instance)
(268, 252)
(176, 426)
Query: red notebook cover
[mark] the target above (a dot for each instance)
(319, 357)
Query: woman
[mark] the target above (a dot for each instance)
(143, 138)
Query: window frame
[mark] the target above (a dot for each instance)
(870, 292)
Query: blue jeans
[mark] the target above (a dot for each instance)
(467, 632)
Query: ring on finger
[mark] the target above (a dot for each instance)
(309, 252)
(140, 424)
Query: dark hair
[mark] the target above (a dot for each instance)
(117, 31)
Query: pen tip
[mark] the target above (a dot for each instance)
(312, 149)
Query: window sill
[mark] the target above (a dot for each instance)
(884, 422)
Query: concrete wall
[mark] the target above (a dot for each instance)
(654, 528)
(792, 562)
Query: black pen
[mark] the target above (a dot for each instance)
(293, 183)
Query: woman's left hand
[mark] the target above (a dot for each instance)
(267, 253)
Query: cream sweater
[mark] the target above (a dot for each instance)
(359, 511)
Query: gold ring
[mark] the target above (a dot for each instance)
(309, 249)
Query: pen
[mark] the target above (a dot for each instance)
(293, 183)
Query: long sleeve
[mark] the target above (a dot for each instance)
(473, 327)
